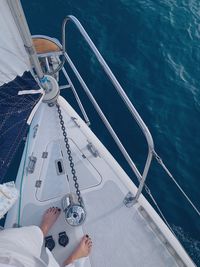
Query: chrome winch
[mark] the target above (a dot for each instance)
(75, 214)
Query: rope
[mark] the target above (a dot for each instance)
(159, 160)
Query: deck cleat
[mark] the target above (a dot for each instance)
(75, 214)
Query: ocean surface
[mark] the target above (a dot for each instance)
(153, 48)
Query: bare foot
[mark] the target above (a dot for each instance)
(49, 218)
(82, 250)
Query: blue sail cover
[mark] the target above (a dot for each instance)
(15, 76)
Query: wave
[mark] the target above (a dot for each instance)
(192, 245)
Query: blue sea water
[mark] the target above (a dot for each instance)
(153, 48)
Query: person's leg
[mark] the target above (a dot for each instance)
(28, 240)
(84, 247)
(20, 239)
(83, 250)
(48, 220)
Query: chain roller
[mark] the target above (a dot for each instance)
(71, 163)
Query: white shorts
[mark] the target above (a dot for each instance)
(22, 247)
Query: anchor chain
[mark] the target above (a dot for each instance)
(73, 171)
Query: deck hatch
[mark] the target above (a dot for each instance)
(88, 175)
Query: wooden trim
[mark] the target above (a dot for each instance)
(45, 46)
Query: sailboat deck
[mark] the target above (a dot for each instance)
(114, 229)
(122, 236)
(117, 229)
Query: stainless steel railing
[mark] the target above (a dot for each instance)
(122, 94)
(117, 86)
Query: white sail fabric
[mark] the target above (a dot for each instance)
(14, 60)
(8, 196)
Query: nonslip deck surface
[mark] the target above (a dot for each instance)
(121, 236)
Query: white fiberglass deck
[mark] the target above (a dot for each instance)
(121, 236)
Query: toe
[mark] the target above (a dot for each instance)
(52, 210)
(85, 238)
(49, 210)
(89, 249)
(88, 241)
(89, 244)
(57, 210)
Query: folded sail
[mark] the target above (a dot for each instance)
(14, 60)
(15, 76)
(8, 196)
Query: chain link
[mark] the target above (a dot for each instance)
(73, 171)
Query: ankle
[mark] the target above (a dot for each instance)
(69, 260)
(44, 229)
